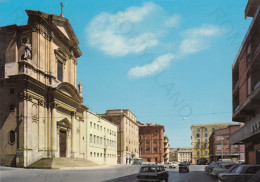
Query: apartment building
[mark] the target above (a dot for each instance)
(200, 139)
(184, 154)
(246, 87)
(101, 140)
(152, 142)
(127, 134)
(173, 156)
(166, 149)
(221, 148)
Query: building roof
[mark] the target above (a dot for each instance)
(212, 124)
(251, 8)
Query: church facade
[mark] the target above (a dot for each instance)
(41, 108)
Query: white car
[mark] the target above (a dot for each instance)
(170, 165)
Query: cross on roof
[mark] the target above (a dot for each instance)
(61, 9)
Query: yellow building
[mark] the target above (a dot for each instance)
(200, 139)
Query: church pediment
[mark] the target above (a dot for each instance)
(61, 28)
(64, 123)
(69, 90)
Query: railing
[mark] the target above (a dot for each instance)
(235, 86)
(237, 108)
(257, 85)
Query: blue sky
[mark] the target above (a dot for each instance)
(168, 61)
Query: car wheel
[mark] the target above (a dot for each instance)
(166, 180)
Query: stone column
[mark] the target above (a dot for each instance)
(53, 131)
(73, 134)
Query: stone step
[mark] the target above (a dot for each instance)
(58, 163)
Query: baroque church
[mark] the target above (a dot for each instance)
(41, 106)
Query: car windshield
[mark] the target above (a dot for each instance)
(233, 170)
(148, 169)
(238, 169)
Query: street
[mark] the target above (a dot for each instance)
(118, 173)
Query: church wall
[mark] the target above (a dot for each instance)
(8, 123)
(37, 108)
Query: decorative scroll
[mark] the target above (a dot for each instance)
(42, 31)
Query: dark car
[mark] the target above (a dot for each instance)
(152, 173)
(256, 177)
(184, 167)
(241, 174)
(211, 166)
(202, 161)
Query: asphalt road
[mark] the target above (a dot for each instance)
(116, 174)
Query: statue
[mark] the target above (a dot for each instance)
(27, 52)
(80, 88)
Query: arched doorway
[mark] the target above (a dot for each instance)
(64, 126)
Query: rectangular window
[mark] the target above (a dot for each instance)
(2, 70)
(12, 91)
(90, 138)
(91, 124)
(206, 135)
(198, 130)
(206, 129)
(12, 107)
(198, 135)
(60, 71)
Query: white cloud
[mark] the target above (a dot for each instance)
(196, 39)
(131, 31)
(156, 66)
(172, 21)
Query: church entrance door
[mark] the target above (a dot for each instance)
(63, 143)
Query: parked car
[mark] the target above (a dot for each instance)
(241, 162)
(223, 168)
(148, 163)
(225, 160)
(137, 161)
(256, 177)
(152, 173)
(184, 167)
(241, 174)
(209, 168)
(202, 161)
(170, 165)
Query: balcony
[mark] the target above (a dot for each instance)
(244, 111)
